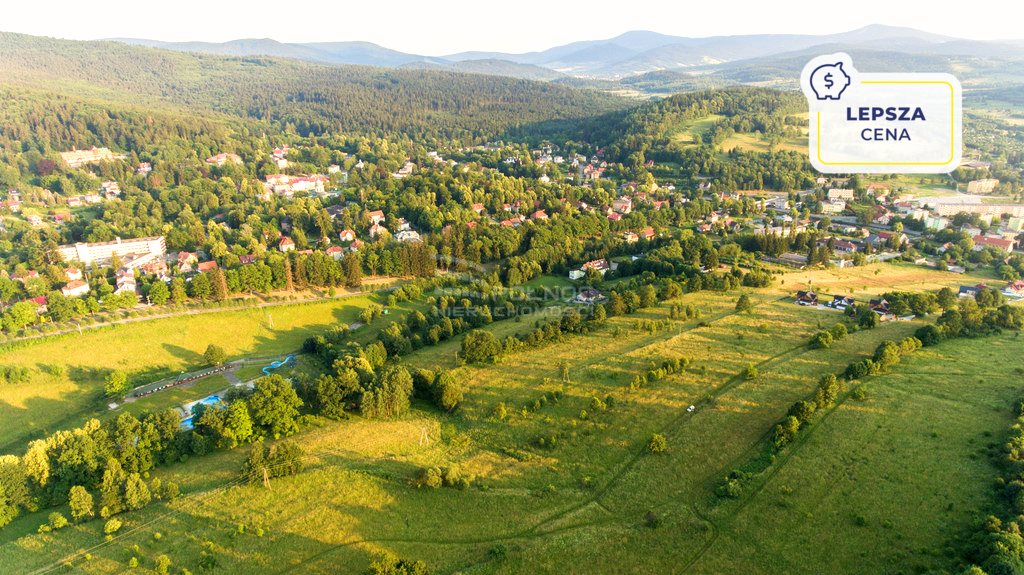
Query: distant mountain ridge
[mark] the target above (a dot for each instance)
(626, 57)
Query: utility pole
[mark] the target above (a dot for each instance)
(266, 478)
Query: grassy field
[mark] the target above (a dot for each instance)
(66, 384)
(580, 506)
(757, 143)
(873, 280)
(887, 481)
(685, 132)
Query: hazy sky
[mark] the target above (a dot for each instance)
(437, 27)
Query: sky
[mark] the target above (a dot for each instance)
(438, 27)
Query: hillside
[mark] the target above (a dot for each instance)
(314, 98)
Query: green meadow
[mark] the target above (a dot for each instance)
(889, 479)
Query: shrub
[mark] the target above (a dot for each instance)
(429, 477)
(112, 526)
(57, 521)
(750, 372)
(657, 444)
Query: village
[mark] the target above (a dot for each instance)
(853, 223)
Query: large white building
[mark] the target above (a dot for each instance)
(103, 252)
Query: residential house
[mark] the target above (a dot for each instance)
(144, 168)
(601, 266)
(881, 306)
(355, 245)
(841, 302)
(125, 284)
(186, 261)
(408, 236)
(970, 291)
(589, 296)
(336, 252)
(844, 246)
(1014, 289)
(808, 298)
(376, 216)
(41, 304)
(648, 233)
(205, 267)
(110, 190)
(222, 158)
(478, 208)
(286, 244)
(882, 216)
(539, 215)
(73, 274)
(405, 170)
(347, 235)
(614, 216)
(630, 237)
(24, 277)
(377, 230)
(247, 259)
(76, 288)
(623, 204)
(981, 242)
(878, 190)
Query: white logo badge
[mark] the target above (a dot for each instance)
(880, 123)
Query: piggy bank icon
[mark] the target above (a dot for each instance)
(829, 81)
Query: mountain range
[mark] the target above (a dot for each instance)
(632, 55)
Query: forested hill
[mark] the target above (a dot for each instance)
(740, 109)
(312, 98)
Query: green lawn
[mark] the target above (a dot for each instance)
(176, 396)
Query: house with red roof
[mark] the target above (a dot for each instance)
(40, 303)
(981, 242)
(336, 252)
(286, 244)
(76, 288)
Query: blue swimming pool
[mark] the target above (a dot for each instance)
(186, 423)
